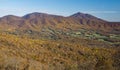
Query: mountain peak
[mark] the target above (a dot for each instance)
(82, 15)
(78, 13)
(10, 17)
(34, 15)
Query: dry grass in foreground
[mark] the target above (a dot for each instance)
(18, 53)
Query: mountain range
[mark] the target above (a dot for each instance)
(36, 21)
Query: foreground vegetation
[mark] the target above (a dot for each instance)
(25, 53)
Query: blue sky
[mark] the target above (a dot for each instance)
(105, 9)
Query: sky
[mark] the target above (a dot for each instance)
(106, 9)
